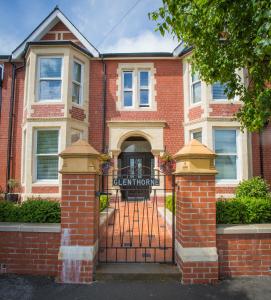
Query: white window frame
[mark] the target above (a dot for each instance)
(35, 155)
(1, 72)
(238, 155)
(144, 88)
(123, 90)
(195, 131)
(192, 83)
(81, 85)
(50, 78)
(218, 100)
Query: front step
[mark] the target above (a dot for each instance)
(137, 271)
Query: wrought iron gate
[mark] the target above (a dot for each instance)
(135, 225)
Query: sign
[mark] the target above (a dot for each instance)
(136, 181)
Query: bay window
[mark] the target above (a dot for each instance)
(219, 91)
(77, 79)
(195, 88)
(226, 148)
(46, 154)
(49, 78)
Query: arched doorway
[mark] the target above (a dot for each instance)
(136, 162)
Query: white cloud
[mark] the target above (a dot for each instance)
(144, 42)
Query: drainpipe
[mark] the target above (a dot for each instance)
(104, 107)
(10, 125)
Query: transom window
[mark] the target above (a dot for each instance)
(77, 79)
(195, 87)
(46, 154)
(49, 78)
(219, 91)
(225, 144)
(136, 88)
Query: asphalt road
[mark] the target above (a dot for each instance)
(31, 288)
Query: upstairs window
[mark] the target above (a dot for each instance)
(1, 73)
(50, 78)
(225, 141)
(218, 91)
(46, 154)
(144, 89)
(77, 80)
(195, 88)
(128, 89)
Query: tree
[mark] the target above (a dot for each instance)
(227, 35)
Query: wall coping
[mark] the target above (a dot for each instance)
(243, 228)
(30, 227)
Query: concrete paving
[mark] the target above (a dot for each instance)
(14, 287)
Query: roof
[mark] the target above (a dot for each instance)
(4, 57)
(181, 49)
(52, 19)
(139, 54)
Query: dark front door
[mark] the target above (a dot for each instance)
(136, 165)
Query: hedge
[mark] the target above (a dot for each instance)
(30, 211)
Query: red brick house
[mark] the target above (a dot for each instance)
(56, 87)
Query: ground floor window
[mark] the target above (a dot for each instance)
(226, 148)
(46, 154)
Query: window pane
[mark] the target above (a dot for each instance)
(196, 90)
(50, 90)
(128, 80)
(219, 91)
(144, 98)
(197, 135)
(195, 76)
(50, 67)
(226, 167)
(128, 99)
(47, 141)
(225, 141)
(77, 69)
(47, 167)
(144, 78)
(76, 93)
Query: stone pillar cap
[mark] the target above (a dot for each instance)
(194, 149)
(79, 149)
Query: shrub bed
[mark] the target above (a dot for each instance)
(30, 211)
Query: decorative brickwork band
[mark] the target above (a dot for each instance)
(196, 252)
(79, 214)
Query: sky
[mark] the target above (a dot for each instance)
(94, 18)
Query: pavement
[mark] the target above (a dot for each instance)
(14, 287)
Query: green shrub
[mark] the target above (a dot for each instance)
(30, 211)
(243, 211)
(104, 199)
(255, 187)
(169, 202)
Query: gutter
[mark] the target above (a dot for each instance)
(11, 119)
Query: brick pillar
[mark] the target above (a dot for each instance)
(196, 251)
(79, 214)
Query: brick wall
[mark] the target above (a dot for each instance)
(29, 252)
(224, 110)
(78, 113)
(47, 111)
(244, 254)
(195, 113)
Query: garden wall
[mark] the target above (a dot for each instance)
(29, 248)
(244, 250)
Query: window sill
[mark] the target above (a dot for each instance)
(77, 105)
(46, 183)
(225, 101)
(227, 183)
(192, 105)
(46, 102)
(141, 108)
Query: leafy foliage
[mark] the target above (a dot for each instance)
(243, 211)
(30, 211)
(169, 202)
(255, 187)
(103, 202)
(227, 36)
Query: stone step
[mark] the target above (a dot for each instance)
(137, 271)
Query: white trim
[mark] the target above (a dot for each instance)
(39, 79)
(44, 181)
(45, 27)
(2, 72)
(144, 88)
(192, 83)
(80, 84)
(196, 254)
(86, 253)
(132, 89)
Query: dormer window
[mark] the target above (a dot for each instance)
(49, 78)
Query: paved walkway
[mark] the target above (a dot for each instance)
(135, 233)
(41, 288)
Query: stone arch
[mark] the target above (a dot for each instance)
(136, 133)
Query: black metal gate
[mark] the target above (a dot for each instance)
(135, 223)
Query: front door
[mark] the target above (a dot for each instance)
(136, 165)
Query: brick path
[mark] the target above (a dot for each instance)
(135, 233)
